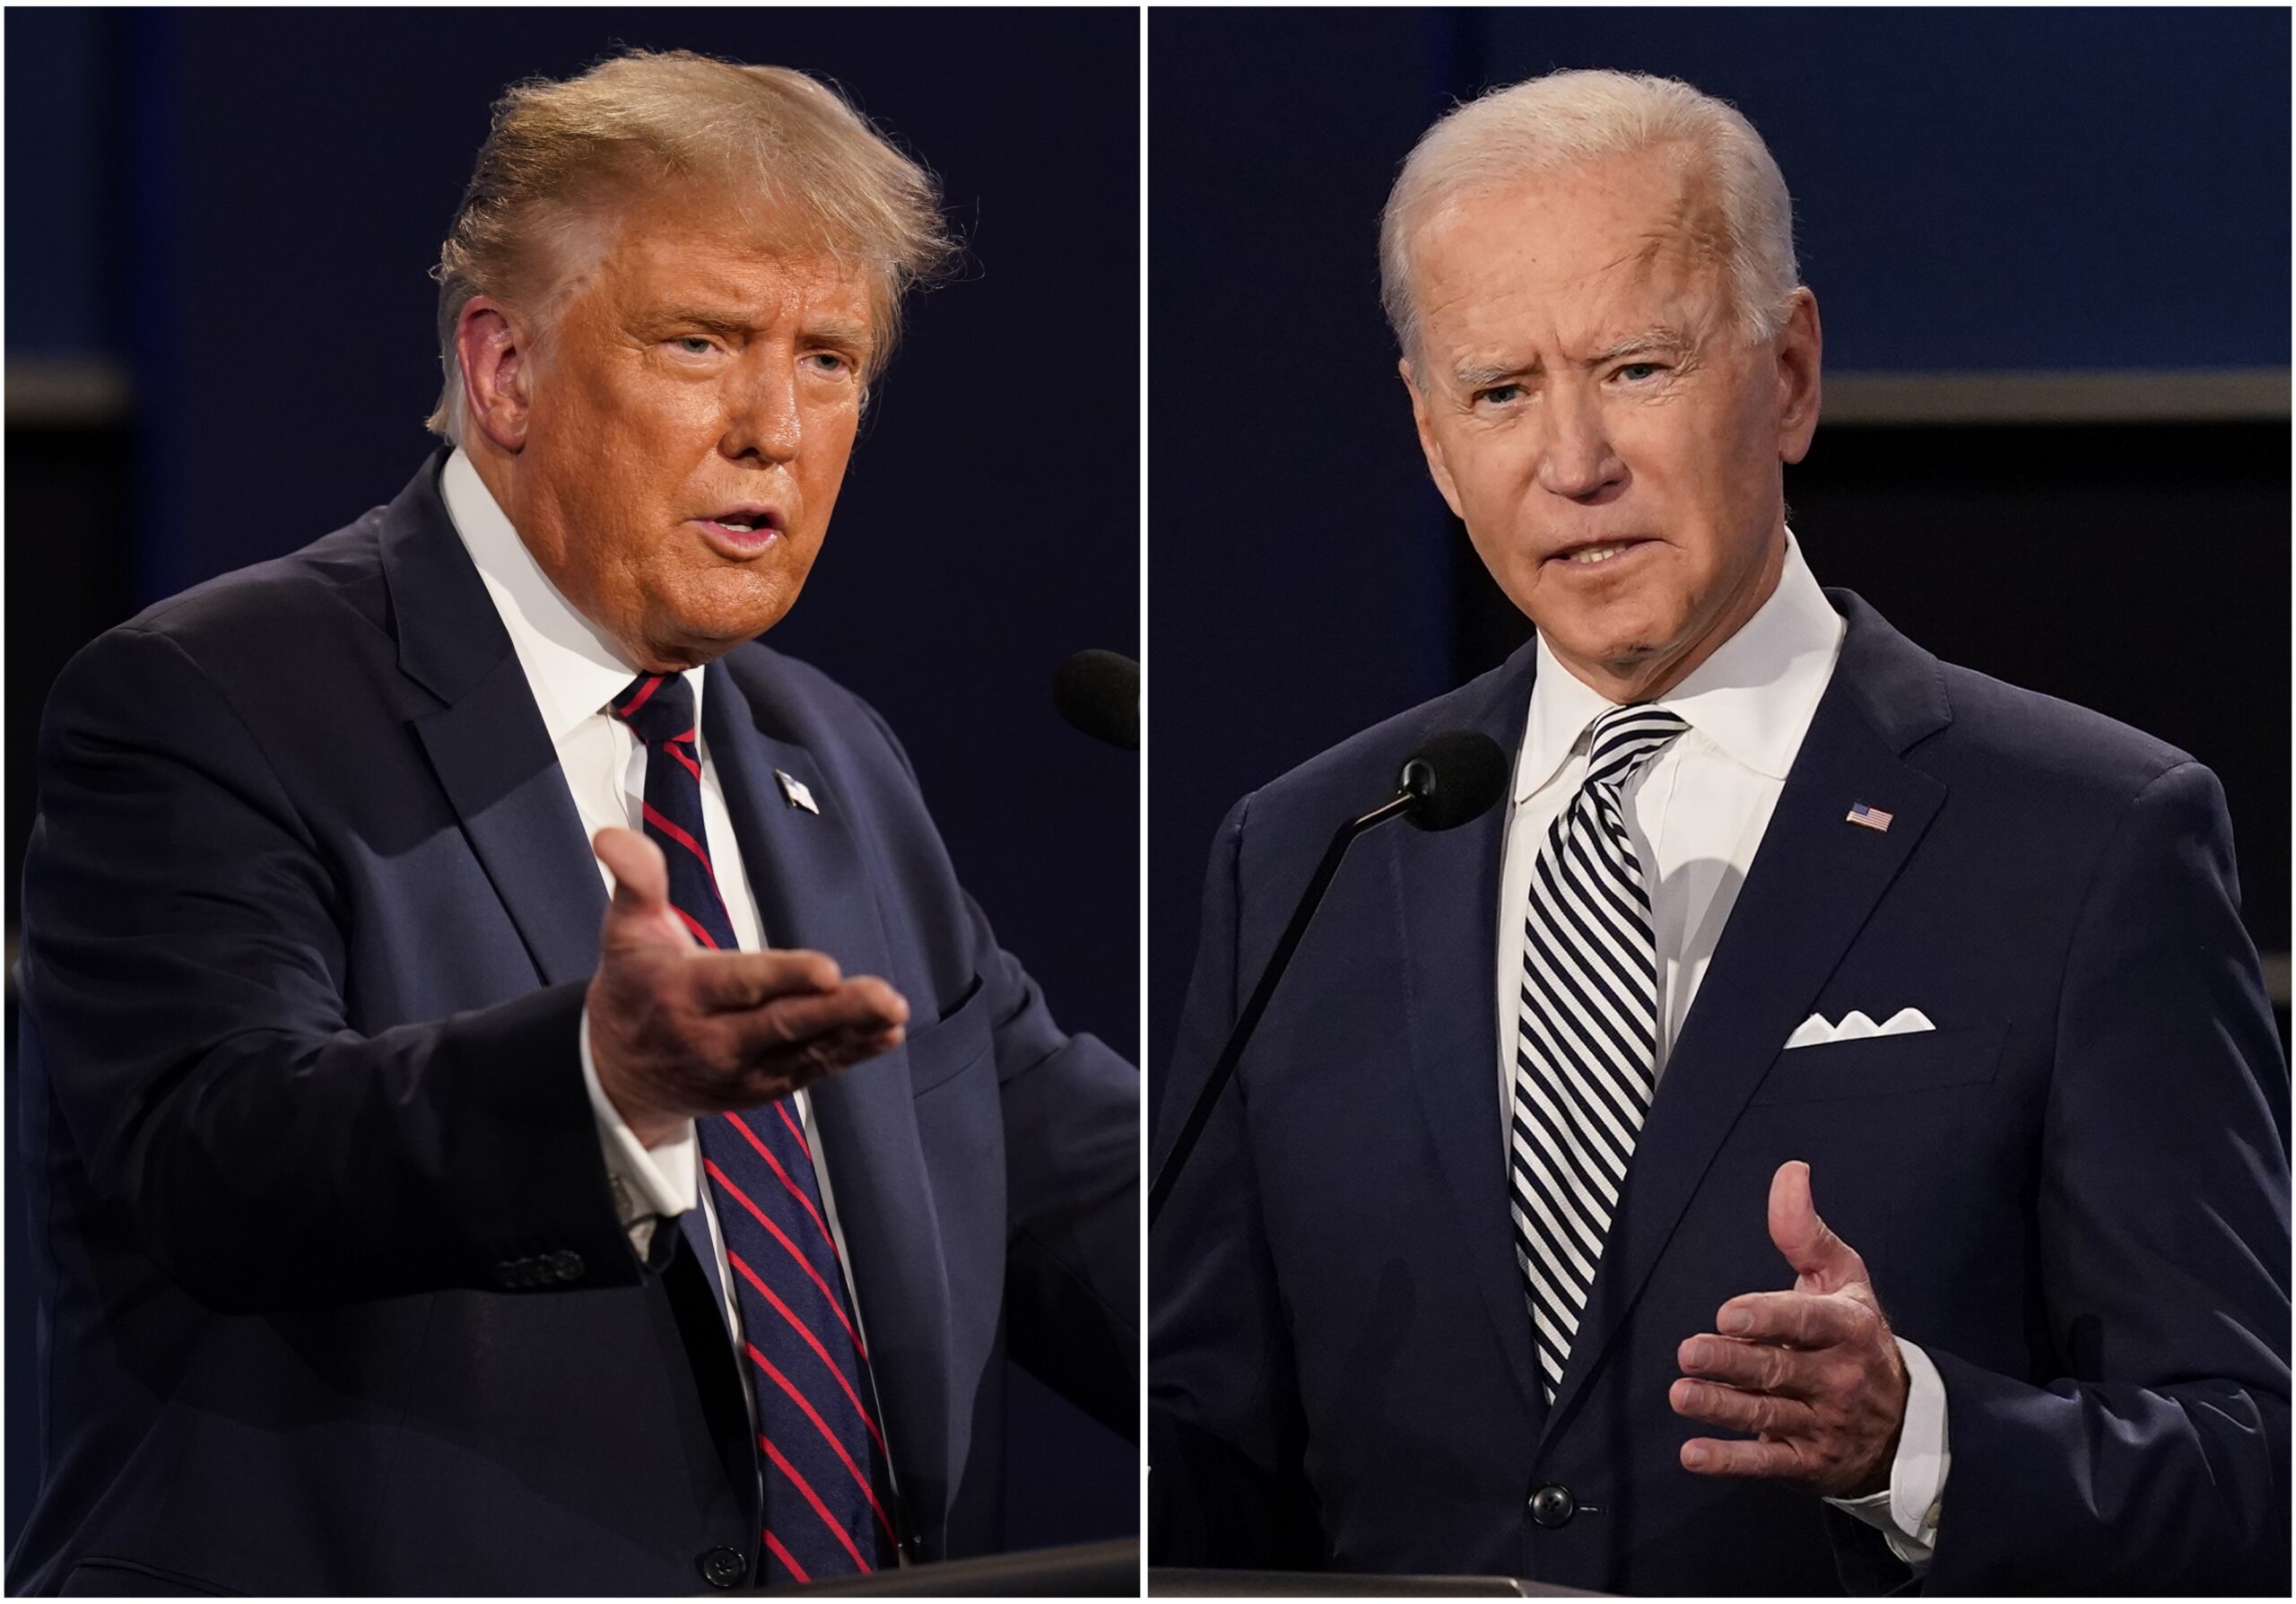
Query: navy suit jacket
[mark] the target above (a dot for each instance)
(333, 1294)
(2073, 1193)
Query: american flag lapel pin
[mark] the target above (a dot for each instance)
(795, 790)
(1873, 818)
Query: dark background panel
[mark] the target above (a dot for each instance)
(1994, 186)
(2070, 559)
(1296, 556)
(1987, 189)
(220, 224)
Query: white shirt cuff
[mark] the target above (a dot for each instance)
(650, 1183)
(1906, 1512)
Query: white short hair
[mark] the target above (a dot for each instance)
(1568, 119)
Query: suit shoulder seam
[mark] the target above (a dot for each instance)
(2130, 807)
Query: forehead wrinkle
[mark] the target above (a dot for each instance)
(1654, 269)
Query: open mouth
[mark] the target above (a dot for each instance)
(742, 529)
(1598, 554)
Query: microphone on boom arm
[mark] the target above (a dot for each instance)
(1453, 777)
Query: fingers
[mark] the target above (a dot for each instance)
(858, 1011)
(1737, 1411)
(1751, 1366)
(732, 982)
(1794, 1227)
(1803, 1320)
(1710, 1456)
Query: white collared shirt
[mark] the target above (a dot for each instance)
(574, 673)
(1696, 813)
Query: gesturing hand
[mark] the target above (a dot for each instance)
(677, 1031)
(1813, 1372)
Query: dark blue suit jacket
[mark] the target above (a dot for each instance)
(2074, 1193)
(333, 1296)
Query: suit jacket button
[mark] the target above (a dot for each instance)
(566, 1265)
(722, 1567)
(1553, 1505)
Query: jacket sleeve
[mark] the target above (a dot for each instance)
(184, 982)
(1226, 1432)
(2158, 1461)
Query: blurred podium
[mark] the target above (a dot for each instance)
(1109, 1569)
(1167, 1582)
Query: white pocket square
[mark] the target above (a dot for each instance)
(1855, 1027)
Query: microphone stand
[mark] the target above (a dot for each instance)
(1417, 778)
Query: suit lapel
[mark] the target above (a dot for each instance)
(494, 759)
(1814, 881)
(487, 742)
(814, 890)
(1447, 884)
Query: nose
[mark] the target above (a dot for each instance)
(763, 418)
(1579, 460)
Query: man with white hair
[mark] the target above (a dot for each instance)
(428, 1206)
(1873, 1165)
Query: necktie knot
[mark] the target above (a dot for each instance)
(1627, 738)
(658, 706)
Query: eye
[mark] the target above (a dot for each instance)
(694, 344)
(1637, 367)
(1500, 394)
(829, 362)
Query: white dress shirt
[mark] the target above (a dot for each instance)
(574, 673)
(1696, 813)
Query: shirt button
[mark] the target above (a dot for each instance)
(1553, 1505)
(723, 1567)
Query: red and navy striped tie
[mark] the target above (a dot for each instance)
(828, 1498)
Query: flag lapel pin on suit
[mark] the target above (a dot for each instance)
(1873, 818)
(795, 790)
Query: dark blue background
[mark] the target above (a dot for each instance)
(1975, 188)
(1997, 187)
(241, 206)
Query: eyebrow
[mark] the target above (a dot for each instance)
(827, 331)
(1478, 375)
(716, 323)
(836, 331)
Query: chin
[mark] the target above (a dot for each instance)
(730, 608)
(1621, 635)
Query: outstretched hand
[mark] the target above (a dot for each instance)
(1813, 1373)
(677, 1031)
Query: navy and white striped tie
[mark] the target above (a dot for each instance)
(1586, 1033)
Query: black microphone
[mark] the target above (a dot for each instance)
(1453, 777)
(1098, 693)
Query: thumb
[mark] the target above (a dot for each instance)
(640, 914)
(1812, 1249)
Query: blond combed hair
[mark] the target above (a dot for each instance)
(1568, 119)
(562, 156)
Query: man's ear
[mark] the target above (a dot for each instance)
(1800, 348)
(1428, 444)
(498, 371)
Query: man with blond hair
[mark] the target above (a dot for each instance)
(518, 1100)
(1824, 1128)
